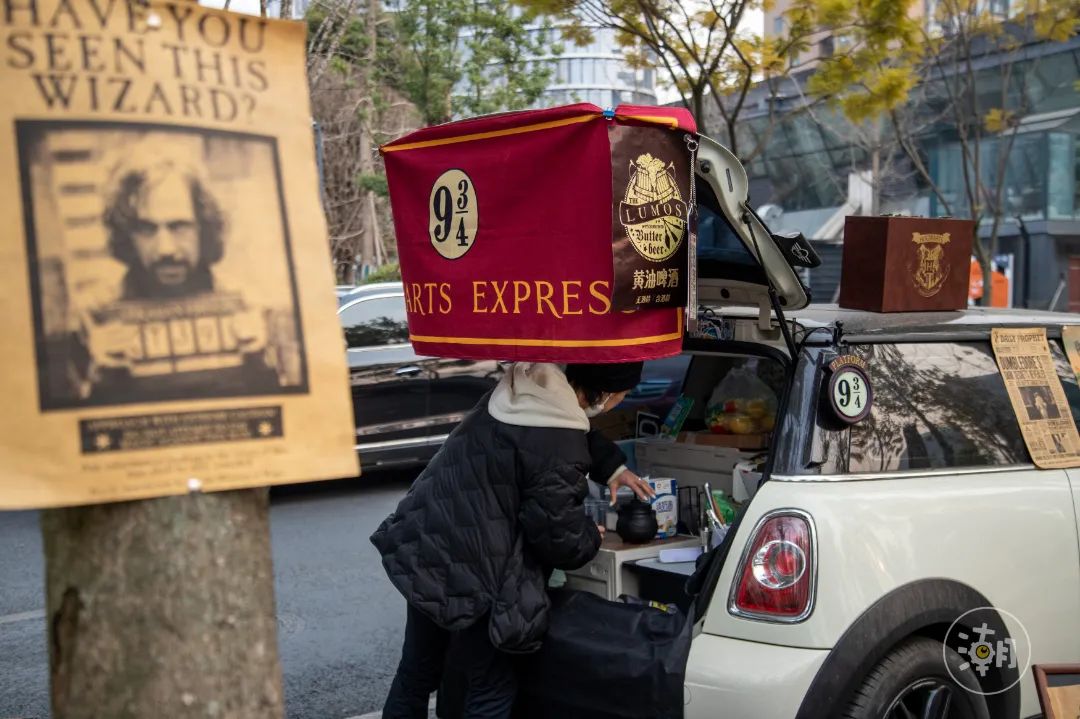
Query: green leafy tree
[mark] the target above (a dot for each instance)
(501, 71)
(701, 50)
(427, 56)
(460, 57)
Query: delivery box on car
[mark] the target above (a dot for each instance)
(905, 264)
(556, 235)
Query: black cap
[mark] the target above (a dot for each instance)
(613, 377)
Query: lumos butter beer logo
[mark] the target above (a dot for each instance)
(930, 269)
(652, 211)
(453, 217)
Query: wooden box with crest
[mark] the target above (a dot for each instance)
(905, 264)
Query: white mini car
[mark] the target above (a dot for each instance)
(913, 564)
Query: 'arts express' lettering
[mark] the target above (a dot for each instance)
(566, 298)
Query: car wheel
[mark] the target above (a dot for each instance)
(912, 683)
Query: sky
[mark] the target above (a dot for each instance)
(251, 7)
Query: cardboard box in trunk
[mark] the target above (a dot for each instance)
(736, 441)
(905, 264)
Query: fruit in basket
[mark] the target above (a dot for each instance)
(768, 422)
(718, 424)
(741, 424)
(757, 408)
(733, 406)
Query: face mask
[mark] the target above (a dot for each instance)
(598, 408)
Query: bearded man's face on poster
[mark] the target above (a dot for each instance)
(167, 229)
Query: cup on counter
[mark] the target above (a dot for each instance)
(596, 509)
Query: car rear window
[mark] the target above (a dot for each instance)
(375, 321)
(936, 405)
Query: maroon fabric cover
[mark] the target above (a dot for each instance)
(535, 281)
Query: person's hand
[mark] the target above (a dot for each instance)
(626, 478)
(602, 529)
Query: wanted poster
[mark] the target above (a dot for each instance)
(1037, 396)
(168, 315)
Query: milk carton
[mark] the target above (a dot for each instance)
(666, 506)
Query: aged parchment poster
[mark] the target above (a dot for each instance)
(167, 313)
(1064, 701)
(1038, 398)
(1070, 336)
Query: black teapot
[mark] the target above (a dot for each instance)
(637, 522)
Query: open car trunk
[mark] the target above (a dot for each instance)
(735, 387)
(737, 362)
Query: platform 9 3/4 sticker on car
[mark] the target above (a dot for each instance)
(849, 389)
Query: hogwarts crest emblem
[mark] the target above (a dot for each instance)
(930, 269)
(652, 211)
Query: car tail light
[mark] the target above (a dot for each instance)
(776, 575)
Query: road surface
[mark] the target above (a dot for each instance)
(340, 621)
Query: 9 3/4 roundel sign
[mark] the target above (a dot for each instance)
(453, 216)
(850, 392)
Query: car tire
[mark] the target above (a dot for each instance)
(913, 675)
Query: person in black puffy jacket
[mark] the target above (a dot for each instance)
(495, 512)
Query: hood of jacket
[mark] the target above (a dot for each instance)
(537, 395)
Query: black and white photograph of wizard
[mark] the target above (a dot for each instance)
(1039, 403)
(166, 228)
(163, 270)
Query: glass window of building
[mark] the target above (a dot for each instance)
(1050, 81)
(1061, 183)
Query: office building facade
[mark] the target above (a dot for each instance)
(809, 172)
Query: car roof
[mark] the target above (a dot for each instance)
(359, 292)
(971, 322)
(373, 287)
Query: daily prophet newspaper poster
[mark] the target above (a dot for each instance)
(1037, 397)
(168, 314)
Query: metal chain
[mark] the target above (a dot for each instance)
(691, 289)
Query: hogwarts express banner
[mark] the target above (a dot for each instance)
(555, 235)
(167, 313)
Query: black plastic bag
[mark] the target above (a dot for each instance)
(604, 659)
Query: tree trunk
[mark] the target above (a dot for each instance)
(376, 233)
(875, 170)
(369, 244)
(163, 608)
(368, 218)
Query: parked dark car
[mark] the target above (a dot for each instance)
(404, 405)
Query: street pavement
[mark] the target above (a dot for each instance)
(340, 622)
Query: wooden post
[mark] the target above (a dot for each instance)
(163, 608)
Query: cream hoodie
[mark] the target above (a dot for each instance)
(538, 395)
